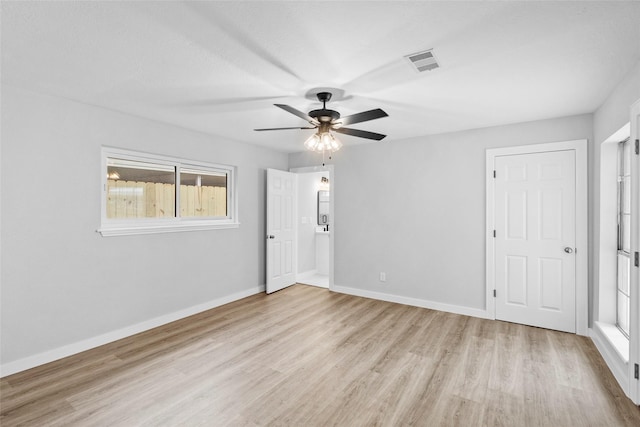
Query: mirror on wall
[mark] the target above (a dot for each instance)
(323, 207)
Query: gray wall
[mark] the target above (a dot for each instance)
(415, 209)
(614, 111)
(61, 282)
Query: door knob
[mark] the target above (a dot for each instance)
(568, 250)
(271, 236)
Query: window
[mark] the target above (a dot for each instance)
(145, 193)
(203, 193)
(624, 236)
(139, 189)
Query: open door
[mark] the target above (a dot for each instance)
(282, 248)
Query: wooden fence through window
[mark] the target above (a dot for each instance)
(130, 199)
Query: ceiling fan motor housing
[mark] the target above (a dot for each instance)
(323, 115)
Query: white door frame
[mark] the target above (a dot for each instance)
(634, 321)
(582, 250)
(329, 168)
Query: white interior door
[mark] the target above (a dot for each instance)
(281, 233)
(535, 223)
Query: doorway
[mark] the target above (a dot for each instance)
(286, 221)
(537, 235)
(315, 219)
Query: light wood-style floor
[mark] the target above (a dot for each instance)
(308, 357)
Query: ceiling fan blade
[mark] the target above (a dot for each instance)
(285, 128)
(298, 113)
(365, 116)
(360, 133)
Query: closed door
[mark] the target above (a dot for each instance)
(535, 221)
(281, 233)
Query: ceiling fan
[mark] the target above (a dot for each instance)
(329, 120)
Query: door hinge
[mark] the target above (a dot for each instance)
(637, 146)
(494, 173)
(494, 233)
(494, 293)
(636, 371)
(636, 259)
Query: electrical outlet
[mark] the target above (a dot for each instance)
(383, 277)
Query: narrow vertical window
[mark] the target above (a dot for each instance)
(624, 236)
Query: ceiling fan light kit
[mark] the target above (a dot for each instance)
(329, 120)
(322, 142)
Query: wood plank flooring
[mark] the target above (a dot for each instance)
(307, 357)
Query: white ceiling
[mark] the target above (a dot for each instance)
(217, 67)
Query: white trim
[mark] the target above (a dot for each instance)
(602, 337)
(634, 321)
(415, 302)
(330, 169)
(123, 227)
(582, 250)
(620, 353)
(87, 344)
(490, 254)
(109, 231)
(605, 292)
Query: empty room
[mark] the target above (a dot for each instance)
(337, 213)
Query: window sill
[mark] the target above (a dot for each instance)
(122, 230)
(616, 339)
(613, 346)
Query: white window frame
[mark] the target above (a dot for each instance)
(612, 344)
(128, 226)
(621, 252)
(620, 353)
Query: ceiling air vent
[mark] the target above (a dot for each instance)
(423, 61)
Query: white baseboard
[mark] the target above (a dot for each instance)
(457, 309)
(78, 347)
(611, 355)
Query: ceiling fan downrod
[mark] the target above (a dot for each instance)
(323, 115)
(324, 97)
